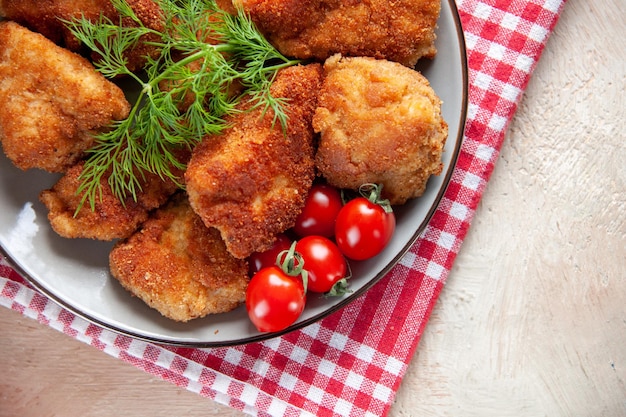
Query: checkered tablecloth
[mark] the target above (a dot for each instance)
(345, 365)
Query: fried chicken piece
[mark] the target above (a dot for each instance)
(110, 219)
(226, 5)
(151, 15)
(178, 266)
(401, 31)
(250, 182)
(53, 101)
(46, 18)
(380, 122)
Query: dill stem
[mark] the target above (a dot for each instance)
(202, 53)
(277, 67)
(147, 87)
(143, 141)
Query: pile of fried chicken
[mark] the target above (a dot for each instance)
(358, 113)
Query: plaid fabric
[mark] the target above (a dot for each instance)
(352, 362)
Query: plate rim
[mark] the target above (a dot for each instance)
(332, 309)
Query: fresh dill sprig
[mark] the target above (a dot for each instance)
(203, 52)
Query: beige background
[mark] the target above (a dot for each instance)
(532, 321)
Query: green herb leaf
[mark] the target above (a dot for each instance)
(202, 53)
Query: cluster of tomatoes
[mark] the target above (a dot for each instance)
(328, 233)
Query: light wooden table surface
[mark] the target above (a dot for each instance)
(532, 321)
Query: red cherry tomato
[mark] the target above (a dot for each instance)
(260, 260)
(274, 300)
(324, 264)
(363, 229)
(320, 211)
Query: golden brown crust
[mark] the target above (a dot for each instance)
(380, 122)
(178, 266)
(46, 17)
(53, 101)
(401, 31)
(110, 219)
(227, 6)
(251, 181)
(152, 17)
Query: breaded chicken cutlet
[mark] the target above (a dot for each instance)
(46, 17)
(53, 101)
(401, 31)
(250, 182)
(178, 266)
(111, 218)
(379, 122)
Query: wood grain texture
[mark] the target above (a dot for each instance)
(532, 321)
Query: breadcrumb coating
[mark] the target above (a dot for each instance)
(178, 266)
(46, 17)
(251, 181)
(53, 101)
(401, 30)
(111, 218)
(379, 122)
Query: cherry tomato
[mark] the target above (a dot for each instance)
(324, 263)
(260, 260)
(320, 211)
(363, 229)
(274, 299)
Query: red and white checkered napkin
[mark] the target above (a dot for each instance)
(352, 362)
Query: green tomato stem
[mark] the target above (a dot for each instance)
(292, 264)
(373, 193)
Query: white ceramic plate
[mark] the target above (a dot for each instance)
(74, 273)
